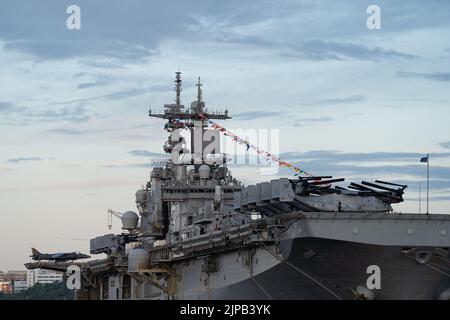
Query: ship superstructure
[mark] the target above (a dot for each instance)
(201, 234)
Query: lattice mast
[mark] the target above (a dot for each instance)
(179, 118)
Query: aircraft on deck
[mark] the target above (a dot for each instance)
(63, 256)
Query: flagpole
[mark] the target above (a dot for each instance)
(428, 182)
(420, 199)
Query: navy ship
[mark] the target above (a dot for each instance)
(199, 233)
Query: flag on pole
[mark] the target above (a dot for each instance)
(427, 161)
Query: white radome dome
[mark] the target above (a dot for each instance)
(129, 220)
(204, 171)
(138, 259)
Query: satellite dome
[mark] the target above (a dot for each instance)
(204, 171)
(141, 196)
(129, 220)
(138, 259)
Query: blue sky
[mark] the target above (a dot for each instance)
(348, 101)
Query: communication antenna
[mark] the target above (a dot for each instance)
(199, 91)
(178, 87)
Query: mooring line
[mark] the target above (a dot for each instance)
(261, 288)
(303, 273)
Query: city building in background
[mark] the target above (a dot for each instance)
(5, 287)
(13, 281)
(19, 286)
(43, 276)
(15, 275)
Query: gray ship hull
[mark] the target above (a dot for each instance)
(333, 269)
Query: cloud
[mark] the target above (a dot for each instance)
(117, 95)
(136, 34)
(308, 121)
(432, 198)
(87, 85)
(145, 153)
(436, 76)
(251, 115)
(131, 165)
(5, 107)
(45, 34)
(336, 156)
(20, 159)
(333, 101)
(445, 144)
(8, 108)
(66, 131)
(21, 115)
(72, 114)
(102, 63)
(330, 50)
(99, 81)
(316, 49)
(129, 35)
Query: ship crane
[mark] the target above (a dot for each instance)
(129, 219)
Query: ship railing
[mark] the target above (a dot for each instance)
(161, 253)
(100, 265)
(349, 215)
(217, 238)
(217, 112)
(225, 239)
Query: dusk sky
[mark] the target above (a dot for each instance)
(75, 134)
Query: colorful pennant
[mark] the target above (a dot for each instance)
(268, 156)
